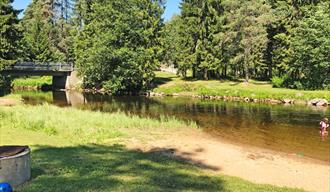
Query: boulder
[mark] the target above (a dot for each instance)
(322, 102)
(274, 101)
(246, 99)
(318, 102)
(287, 101)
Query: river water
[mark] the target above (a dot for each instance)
(290, 129)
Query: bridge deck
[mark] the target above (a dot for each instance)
(38, 69)
(31, 66)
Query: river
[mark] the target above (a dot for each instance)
(291, 129)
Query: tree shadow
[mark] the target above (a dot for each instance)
(158, 81)
(190, 79)
(113, 168)
(260, 82)
(183, 157)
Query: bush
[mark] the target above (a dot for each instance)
(298, 85)
(278, 82)
(4, 82)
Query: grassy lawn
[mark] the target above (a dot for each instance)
(32, 81)
(169, 83)
(75, 150)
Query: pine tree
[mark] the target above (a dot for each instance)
(246, 27)
(47, 26)
(10, 33)
(310, 59)
(10, 36)
(202, 22)
(175, 40)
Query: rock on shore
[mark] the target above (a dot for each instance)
(318, 102)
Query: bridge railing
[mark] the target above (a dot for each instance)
(32, 66)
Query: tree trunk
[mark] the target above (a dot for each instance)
(193, 72)
(206, 76)
(246, 71)
(246, 64)
(184, 73)
(225, 72)
(270, 70)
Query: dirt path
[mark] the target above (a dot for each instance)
(8, 102)
(250, 163)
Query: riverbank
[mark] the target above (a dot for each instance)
(168, 84)
(107, 147)
(32, 83)
(8, 102)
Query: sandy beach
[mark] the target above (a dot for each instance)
(251, 163)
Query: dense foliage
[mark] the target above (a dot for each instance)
(9, 33)
(252, 39)
(9, 36)
(47, 27)
(117, 45)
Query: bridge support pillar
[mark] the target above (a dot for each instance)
(59, 82)
(68, 81)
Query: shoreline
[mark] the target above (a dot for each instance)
(9, 102)
(255, 164)
(248, 100)
(317, 102)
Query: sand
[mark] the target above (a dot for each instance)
(247, 162)
(8, 102)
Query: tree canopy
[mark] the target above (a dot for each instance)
(10, 33)
(117, 45)
(258, 39)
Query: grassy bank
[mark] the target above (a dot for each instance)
(74, 150)
(169, 84)
(32, 82)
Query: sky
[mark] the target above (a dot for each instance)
(172, 7)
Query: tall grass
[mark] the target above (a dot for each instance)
(82, 126)
(32, 81)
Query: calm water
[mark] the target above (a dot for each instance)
(291, 129)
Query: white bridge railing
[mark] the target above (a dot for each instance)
(32, 66)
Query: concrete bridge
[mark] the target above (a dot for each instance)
(64, 75)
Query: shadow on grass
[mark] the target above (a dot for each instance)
(261, 82)
(158, 81)
(113, 168)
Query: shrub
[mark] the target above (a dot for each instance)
(278, 82)
(298, 85)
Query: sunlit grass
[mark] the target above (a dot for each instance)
(81, 126)
(170, 84)
(77, 150)
(32, 81)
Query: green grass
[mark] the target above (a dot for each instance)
(169, 84)
(32, 81)
(32, 96)
(82, 126)
(75, 150)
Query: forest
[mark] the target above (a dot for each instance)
(117, 45)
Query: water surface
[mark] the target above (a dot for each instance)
(290, 129)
